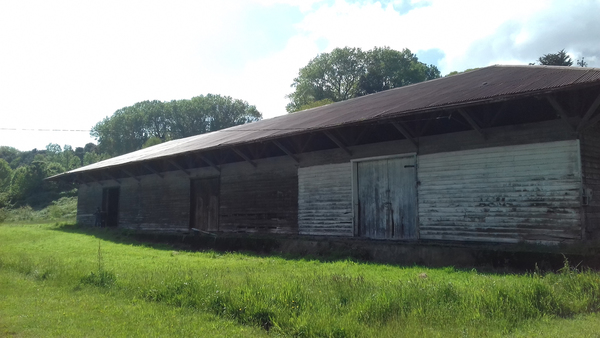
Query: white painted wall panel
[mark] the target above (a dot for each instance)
(325, 200)
(504, 194)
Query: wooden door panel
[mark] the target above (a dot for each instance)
(387, 198)
(402, 182)
(205, 204)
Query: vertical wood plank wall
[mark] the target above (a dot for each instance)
(502, 194)
(325, 200)
(590, 167)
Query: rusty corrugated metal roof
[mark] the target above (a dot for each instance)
(482, 85)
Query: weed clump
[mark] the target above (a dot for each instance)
(101, 277)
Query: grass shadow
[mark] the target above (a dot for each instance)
(489, 262)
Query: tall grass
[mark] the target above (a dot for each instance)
(62, 210)
(302, 297)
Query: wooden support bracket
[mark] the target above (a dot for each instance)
(242, 155)
(337, 142)
(588, 114)
(209, 162)
(179, 167)
(285, 150)
(405, 133)
(499, 112)
(147, 166)
(362, 134)
(472, 122)
(560, 111)
(111, 177)
(78, 179)
(93, 179)
(127, 172)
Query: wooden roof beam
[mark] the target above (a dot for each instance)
(81, 181)
(127, 172)
(405, 133)
(93, 178)
(472, 122)
(179, 167)
(285, 150)
(111, 177)
(242, 155)
(498, 113)
(308, 139)
(561, 112)
(147, 166)
(209, 162)
(337, 142)
(588, 114)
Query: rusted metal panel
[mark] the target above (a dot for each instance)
(261, 198)
(489, 84)
(325, 200)
(511, 194)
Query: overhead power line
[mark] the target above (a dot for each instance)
(46, 129)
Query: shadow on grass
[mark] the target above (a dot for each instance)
(487, 261)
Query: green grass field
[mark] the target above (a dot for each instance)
(58, 280)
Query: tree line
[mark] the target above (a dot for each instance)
(22, 173)
(147, 123)
(346, 73)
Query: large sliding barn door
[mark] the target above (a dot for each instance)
(387, 198)
(205, 204)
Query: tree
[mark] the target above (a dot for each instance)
(557, 59)
(350, 72)
(581, 62)
(334, 76)
(5, 175)
(388, 68)
(130, 128)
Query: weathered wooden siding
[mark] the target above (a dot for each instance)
(89, 198)
(325, 200)
(503, 194)
(590, 167)
(152, 203)
(261, 199)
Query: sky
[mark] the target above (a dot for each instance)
(66, 65)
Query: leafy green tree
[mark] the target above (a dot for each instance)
(350, 72)
(130, 128)
(152, 142)
(556, 59)
(5, 175)
(92, 157)
(388, 68)
(26, 180)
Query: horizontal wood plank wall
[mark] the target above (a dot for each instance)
(590, 167)
(325, 200)
(154, 203)
(259, 199)
(506, 194)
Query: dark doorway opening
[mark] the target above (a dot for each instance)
(110, 206)
(204, 204)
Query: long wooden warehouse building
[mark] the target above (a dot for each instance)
(502, 154)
